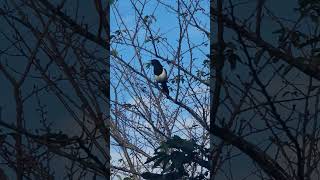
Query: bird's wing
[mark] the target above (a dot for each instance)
(162, 77)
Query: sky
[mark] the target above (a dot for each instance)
(165, 23)
(57, 114)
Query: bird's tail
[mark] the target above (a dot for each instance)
(165, 88)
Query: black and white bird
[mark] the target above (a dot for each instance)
(160, 75)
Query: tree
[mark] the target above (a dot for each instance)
(142, 113)
(242, 106)
(264, 104)
(54, 121)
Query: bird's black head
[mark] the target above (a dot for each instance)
(155, 62)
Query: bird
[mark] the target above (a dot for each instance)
(160, 75)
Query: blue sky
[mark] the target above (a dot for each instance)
(166, 25)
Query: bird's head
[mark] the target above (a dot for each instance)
(155, 62)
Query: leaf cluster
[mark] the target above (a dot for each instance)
(174, 156)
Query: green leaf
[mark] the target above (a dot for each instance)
(158, 161)
(312, 88)
(165, 162)
(148, 65)
(287, 70)
(278, 31)
(232, 59)
(258, 55)
(114, 53)
(149, 175)
(145, 19)
(152, 159)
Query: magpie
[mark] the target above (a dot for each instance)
(160, 75)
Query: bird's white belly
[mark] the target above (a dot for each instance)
(162, 77)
